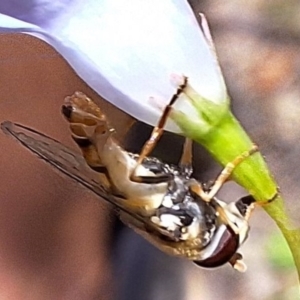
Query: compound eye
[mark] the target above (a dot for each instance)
(226, 247)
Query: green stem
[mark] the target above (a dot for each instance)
(225, 141)
(228, 140)
(292, 235)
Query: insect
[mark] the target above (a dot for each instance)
(162, 202)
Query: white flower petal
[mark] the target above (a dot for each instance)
(125, 50)
(11, 24)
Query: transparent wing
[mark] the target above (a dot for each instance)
(68, 162)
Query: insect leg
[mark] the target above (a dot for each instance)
(225, 174)
(228, 169)
(156, 133)
(267, 202)
(196, 188)
(186, 157)
(247, 204)
(185, 164)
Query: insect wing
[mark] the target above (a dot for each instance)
(61, 157)
(72, 164)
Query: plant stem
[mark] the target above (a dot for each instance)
(225, 141)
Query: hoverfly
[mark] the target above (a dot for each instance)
(162, 202)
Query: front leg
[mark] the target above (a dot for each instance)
(228, 169)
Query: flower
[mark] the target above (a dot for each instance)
(127, 51)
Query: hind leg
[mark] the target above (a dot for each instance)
(156, 134)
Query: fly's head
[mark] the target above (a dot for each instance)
(207, 231)
(87, 121)
(230, 233)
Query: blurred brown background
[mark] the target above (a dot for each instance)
(53, 235)
(56, 239)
